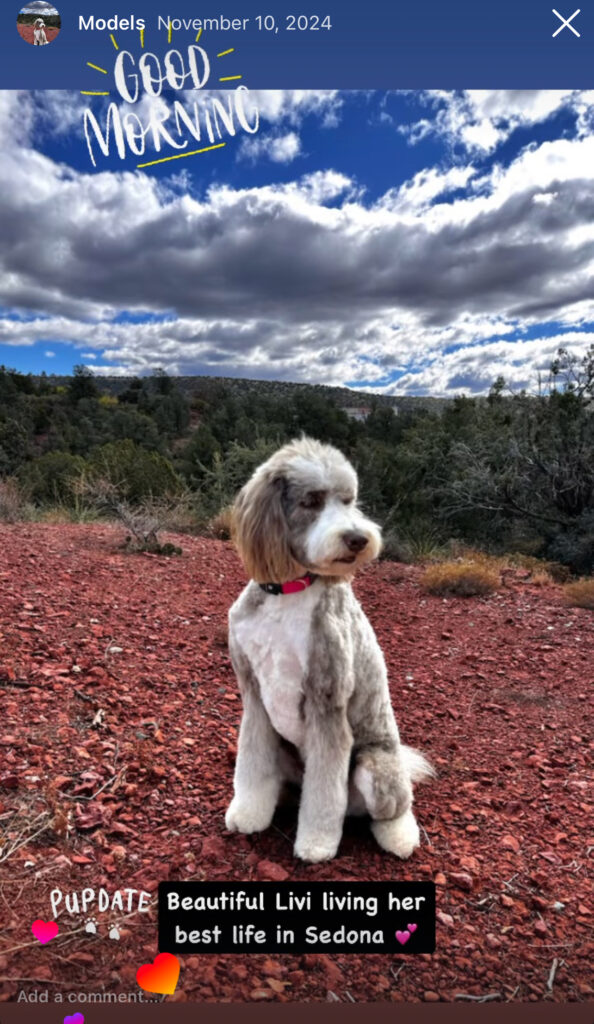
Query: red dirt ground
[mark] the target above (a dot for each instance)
(496, 690)
(26, 31)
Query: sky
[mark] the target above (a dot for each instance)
(404, 243)
(38, 7)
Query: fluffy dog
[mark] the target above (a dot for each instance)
(39, 36)
(316, 705)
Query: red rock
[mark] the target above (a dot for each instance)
(213, 848)
(540, 928)
(332, 971)
(273, 968)
(462, 881)
(510, 843)
(271, 872)
(430, 997)
(169, 618)
(276, 985)
(471, 864)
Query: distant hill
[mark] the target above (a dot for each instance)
(203, 387)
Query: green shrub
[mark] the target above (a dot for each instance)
(136, 472)
(50, 478)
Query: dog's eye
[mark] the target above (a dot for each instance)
(347, 501)
(313, 500)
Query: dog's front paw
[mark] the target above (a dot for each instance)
(248, 816)
(316, 848)
(399, 836)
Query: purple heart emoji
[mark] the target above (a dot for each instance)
(402, 937)
(412, 928)
(76, 1018)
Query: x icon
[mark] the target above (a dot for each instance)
(565, 23)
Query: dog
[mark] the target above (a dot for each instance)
(313, 681)
(39, 36)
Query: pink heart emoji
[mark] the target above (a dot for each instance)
(402, 937)
(76, 1018)
(45, 931)
(412, 928)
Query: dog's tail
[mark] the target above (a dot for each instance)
(417, 765)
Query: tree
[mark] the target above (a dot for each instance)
(50, 478)
(134, 471)
(82, 384)
(144, 520)
(530, 458)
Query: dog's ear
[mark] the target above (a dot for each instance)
(261, 532)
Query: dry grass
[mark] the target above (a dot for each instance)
(221, 525)
(13, 504)
(541, 579)
(579, 594)
(541, 572)
(462, 578)
(54, 515)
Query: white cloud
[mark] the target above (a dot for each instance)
(281, 149)
(291, 106)
(303, 280)
(479, 120)
(473, 369)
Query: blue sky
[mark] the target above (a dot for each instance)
(420, 243)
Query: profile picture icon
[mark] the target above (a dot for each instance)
(38, 23)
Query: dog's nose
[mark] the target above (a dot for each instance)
(354, 541)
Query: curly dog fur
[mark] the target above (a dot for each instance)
(316, 704)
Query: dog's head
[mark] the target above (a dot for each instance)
(40, 23)
(299, 513)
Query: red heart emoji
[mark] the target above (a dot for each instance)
(45, 931)
(412, 928)
(160, 976)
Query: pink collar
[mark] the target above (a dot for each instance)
(291, 587)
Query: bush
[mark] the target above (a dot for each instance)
(49, 479)
(579, 594)
(541, 579)
(461, 579)
(53, 515)
(228, 474)
(575, 547)
(221, 525)
(421, 544)
(143, 519)
(135, 472)
(13, 507)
